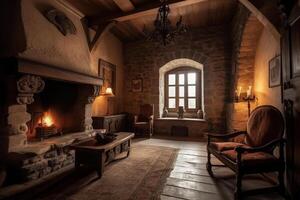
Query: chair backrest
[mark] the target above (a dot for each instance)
(265, 124)
(146, 111)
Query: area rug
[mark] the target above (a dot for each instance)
(141, 176)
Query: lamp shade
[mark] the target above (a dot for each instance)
(108, 91)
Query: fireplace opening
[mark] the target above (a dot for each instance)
(46, 127)
(57, 110)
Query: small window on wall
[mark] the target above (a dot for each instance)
(183, 88)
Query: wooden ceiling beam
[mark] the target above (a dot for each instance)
(149, 9)
(125, 5)
(101, 30)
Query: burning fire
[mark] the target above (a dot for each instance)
(47, 120)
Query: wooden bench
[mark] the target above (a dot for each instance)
(95, 155)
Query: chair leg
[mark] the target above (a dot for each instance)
(208, 164)
(151, 131)
(238, 189)
(281, 182)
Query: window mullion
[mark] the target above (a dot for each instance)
(177, 90)
(185, 91)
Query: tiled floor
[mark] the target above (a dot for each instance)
(190, 180)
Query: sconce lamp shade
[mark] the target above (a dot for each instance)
(108, 92)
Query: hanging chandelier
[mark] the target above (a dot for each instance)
(163, 30)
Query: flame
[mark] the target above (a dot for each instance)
(47, 120)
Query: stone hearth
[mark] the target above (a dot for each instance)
(38, 159)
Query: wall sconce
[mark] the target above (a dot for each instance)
(247, 96)
(108, 93)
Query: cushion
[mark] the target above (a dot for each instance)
(253, 159)
(223, 146)
(264, 125)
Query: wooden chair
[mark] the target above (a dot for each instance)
(255, 152)
(143, 123)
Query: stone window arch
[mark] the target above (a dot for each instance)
(181, 66)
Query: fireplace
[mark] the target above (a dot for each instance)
(44, 109)
(42, 101)
(57, 110)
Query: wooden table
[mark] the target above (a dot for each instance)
(90, 153)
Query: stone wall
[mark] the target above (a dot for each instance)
(238, 25)
(246, 30)
(246, 54)
(209, 46)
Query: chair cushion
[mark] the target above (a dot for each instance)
(223, 146)
(253, 159)
(264, 125)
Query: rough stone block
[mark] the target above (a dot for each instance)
(68, 162)
(16, 141)
(50, 154)
(55, 168)
(45, 171)
(18, 118)
(17, 108)
(36, 166)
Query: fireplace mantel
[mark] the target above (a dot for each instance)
(39, 69)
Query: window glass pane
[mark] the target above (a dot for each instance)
(181, 102)
(172, 103)
(192, 103)
(172, 79)
(192, 91)
(172, 91)
(181, 91)
(181, 79)
(191, 78)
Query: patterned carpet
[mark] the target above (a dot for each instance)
(141, 176)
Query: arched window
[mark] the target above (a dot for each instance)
(183, 88)
(181, 84)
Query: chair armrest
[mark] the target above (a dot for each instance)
(241, 149)
(225, 136)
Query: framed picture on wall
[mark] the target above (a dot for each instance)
(274, 72)
(137, 85)
(107, 71)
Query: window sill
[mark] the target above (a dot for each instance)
(178, 119)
